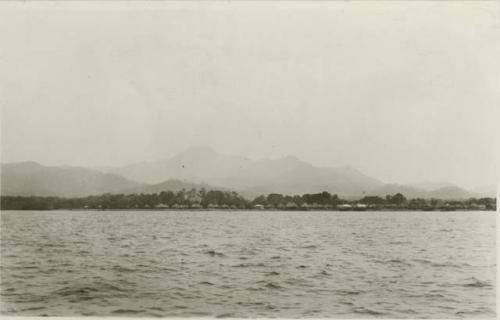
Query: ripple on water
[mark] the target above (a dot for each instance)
(311, 246)
(225, 315)
(123, 269)
(126, 311)
(326, 264)
(214, 253)
(349, 292)
(88, 292)
(476, 283)
(271, 285)
(249, 265)
(368, 311)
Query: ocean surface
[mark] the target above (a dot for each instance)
(248, 264)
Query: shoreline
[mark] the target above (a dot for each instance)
(252, 210)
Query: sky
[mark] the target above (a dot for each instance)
(403, 91)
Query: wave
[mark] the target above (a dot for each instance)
(23, 276)
(476, 283)
(426, 295)
(225, 315)
(29, 267)
(126, 311)
(33, 309)
(312, 246)
(214, 253)
(448, 265)
(442, 264)
(394, 261)
(52, 245)
(180, 307)
(246, 303)
(364, 310)
(82, 292)
(157, 309)
(349, 292)
(400, 242)
(247, 265)
(486, 312)
(123, 269)
(31, 299)
(397, 261)
(271, 285)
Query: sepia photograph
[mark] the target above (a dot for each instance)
(249, 159)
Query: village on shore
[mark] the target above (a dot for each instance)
(227, 200)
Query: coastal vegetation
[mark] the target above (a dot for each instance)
(216, 199)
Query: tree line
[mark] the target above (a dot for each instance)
(216, 199)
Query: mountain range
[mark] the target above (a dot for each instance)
(202, 167)
(287, 175)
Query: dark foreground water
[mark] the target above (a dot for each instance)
(249, 264)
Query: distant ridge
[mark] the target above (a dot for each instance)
(202, 167)
(34, 179)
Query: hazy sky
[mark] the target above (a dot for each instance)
(403, 91)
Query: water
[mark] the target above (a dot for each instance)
(248, 264)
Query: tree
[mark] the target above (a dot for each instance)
(397, 199)
(275, 199)
(372, 200)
